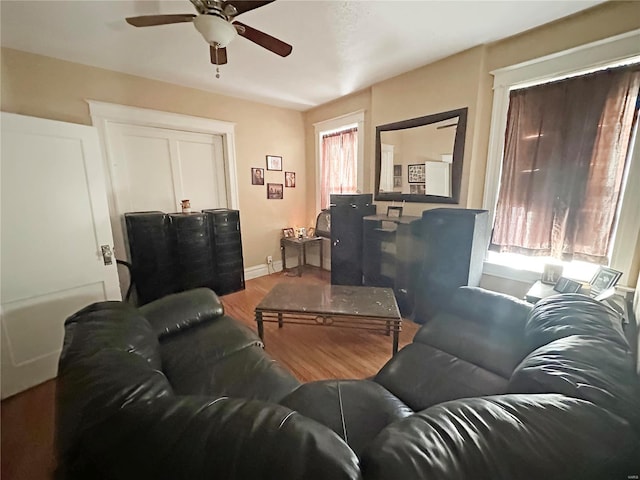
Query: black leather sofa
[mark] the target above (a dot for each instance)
(489, 389)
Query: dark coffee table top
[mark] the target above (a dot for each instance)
(331, 299)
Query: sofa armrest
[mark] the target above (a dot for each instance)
(503, 438)
(180, 311)
(197, 437)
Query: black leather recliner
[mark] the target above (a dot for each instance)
(489, 389)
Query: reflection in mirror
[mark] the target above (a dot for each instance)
(420, 160)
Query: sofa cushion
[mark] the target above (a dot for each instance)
(422, 376)
(355, 409)
(494, 347)
(179, 311)
(188, 438)
(585, 367)
(561, 316)
(524, 437)
(248, 373)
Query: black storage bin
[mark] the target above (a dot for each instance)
(151, 254)
(226, 248)
(455, 242)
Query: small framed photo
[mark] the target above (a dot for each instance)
(394, 212)
(604, 279)
(566, 285)
(416, 173)
(397, 170)
(397, 182)
(290, 179)
(551, 274)
(274, 162)
(288, 233)
(417, 190)
(257, 176)
(274, 191)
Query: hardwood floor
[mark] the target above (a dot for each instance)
(310, 352)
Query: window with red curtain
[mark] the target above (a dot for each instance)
(338, 164)
(566, 146)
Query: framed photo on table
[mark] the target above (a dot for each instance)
(566, 285)
(604, 279)
(394, 212)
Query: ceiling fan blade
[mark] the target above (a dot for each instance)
(264, 40)
(236, 7)
(221, 57)
(152, 20)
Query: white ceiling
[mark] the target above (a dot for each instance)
(338, 46)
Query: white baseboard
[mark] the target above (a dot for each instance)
(261, 270)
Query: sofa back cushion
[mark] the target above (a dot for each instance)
(561, 316)
(110, 358)
(481, 327)
(586, 367)
(179, 311)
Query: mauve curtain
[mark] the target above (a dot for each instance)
(338, 168)
(566, 146)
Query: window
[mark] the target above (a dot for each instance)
(556, 176)
(563, 165)
(339, 154)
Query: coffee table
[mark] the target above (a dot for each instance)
(363, 308)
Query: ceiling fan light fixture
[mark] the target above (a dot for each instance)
(215, 30)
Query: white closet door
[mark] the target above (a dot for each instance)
(155, 168)
(54, 221)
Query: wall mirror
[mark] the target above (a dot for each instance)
(420, 160)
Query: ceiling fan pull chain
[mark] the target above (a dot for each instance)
(217, 63)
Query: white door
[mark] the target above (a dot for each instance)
(54, 221)
(155, 168)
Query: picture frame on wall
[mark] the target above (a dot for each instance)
(257, 176)
(290, 179)
(417, 189)
(274, 191)
(416, 173)
(274, 162)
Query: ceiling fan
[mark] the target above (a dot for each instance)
(215, 22)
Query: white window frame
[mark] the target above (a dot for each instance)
(619, 49)
(343, 122)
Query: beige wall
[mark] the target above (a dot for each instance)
(464, 80)
(54, 89)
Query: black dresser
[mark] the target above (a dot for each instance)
(175, 252)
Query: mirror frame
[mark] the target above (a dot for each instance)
(458, 154)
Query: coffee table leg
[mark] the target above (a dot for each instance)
(396, 334)
(260, 326)
(279, 320)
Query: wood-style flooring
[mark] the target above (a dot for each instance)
(310, 352)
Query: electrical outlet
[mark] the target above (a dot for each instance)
(269, 259)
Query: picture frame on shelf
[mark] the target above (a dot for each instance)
(288, 233)
(604, 279)
(394, 212)
(274, 191)
(566, 285)
(274, 162)
(551, 274)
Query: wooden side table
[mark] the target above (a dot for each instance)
(300, 244)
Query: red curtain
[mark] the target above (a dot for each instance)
(566, 146)
(338, 168)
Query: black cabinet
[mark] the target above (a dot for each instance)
(175, 252)
(346, 236)
(392, 256)
(455, 242)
